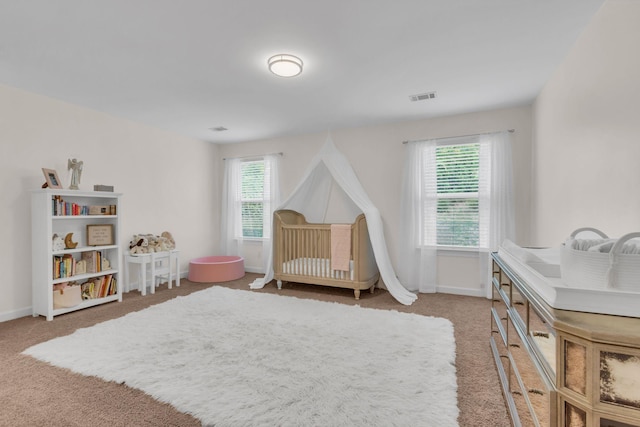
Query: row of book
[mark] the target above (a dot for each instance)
(67, 266)
(62, 208)
(100, 287)
(64, 266)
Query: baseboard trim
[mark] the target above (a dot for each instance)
(253, 270)
(16, 314)
(460, 291)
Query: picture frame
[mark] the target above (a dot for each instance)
(51, 178)
(100, 235)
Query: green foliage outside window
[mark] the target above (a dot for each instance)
(457, 220)
(252, 198)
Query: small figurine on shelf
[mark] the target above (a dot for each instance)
(75, 167)
(81, 267)
(68, 241)
(58, 243)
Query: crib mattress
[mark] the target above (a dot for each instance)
(542, 275)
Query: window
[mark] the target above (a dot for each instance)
(457, 211)
(252, 198)
(457, 195)
(454, 178)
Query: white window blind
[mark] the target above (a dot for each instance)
(455, 184)
(252, 197)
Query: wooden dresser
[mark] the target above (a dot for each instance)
(562, 368)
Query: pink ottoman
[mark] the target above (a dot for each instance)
(214, 269)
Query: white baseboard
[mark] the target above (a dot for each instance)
(253, 270)
(460, 291)
(11, 315)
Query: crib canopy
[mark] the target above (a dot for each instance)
(311, 198)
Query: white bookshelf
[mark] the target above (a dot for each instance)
(44, 224)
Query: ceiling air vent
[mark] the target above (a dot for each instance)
(218, 129)
(422, 96)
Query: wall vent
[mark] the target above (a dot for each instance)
(218, 129)
(422, 96)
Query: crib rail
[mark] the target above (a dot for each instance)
(306, 250)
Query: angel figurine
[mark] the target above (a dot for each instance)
(75, 167)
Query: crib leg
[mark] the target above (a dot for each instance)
(356, 292)
(279, 283)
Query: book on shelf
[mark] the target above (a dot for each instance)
(93, 260)
(100, 287)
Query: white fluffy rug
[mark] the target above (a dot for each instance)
(241, 358)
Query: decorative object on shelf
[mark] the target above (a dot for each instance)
(106, 265)
(99, 210)
(98, 187)
(75, 167)
(57, 243)
(51, 177)
(68, 241)
(99, 234)
(149, 243)
(81, 267)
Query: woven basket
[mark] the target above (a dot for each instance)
(67, 297)
(597, 270)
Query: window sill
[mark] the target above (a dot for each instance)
(253, 239)
(458, 251)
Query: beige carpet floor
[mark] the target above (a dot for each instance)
(33, 393)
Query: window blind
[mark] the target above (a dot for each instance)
(457, 181)
(252, 197)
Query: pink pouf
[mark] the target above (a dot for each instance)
(213, 269)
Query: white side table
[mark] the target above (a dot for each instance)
(155, 263)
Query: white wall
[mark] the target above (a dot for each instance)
(587, 132)
(168, 181)
(377, 153)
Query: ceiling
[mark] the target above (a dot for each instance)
(188, 66)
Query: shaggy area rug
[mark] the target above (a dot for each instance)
(241, 358)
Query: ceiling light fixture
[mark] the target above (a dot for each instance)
(285, 65)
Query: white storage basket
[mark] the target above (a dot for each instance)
(596, 270)
(624, 269)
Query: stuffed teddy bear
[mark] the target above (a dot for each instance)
(171, 244)
(138, 244)
(149, 243)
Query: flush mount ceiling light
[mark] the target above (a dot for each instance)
(285, 65)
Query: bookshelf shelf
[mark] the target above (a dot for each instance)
(84, 249)
(52, 268)
(83, 276)
(81, 217)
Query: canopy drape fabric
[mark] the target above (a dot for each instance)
(311, 197)
(419, 252)
(232, 240)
